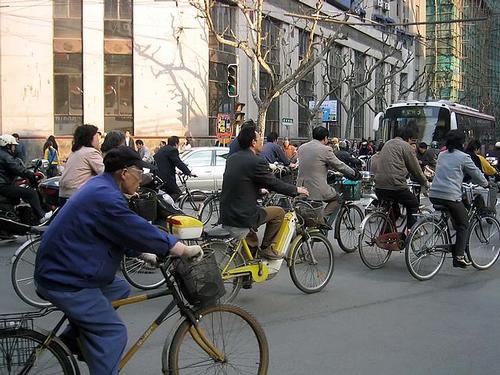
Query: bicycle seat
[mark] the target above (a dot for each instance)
(217, 232)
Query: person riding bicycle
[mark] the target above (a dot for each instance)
(272, 152)
(10, 169)
(80, 253)
(345, 156)
(316, 159)
(446, 189)
(245, 174)
(167, 159)
(395, 162)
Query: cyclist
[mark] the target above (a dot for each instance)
(274, 153)
(345, 156)
(10, 169)
(316, 158)
(446, 189)
(245, 174)
(234, 146)
(167, 159)
(80, 253)
(396, 160)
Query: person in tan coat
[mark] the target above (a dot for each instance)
(315, 159)
(84, 162)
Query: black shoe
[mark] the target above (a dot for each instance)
(247, 282)
(461, 262)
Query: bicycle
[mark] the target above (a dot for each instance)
(218, 337)
(379, 235)
(190, 200)
(209, 212)
(306, 251)
(431, 239)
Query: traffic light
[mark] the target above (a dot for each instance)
(232, 80)
(239, 117)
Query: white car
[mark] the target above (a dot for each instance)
(208, 164)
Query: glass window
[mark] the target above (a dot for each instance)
(67, 19)
(199, 159)
(115, 29)
(118, 9)
(218, 101)
(219, 160)
(117, 64)
(68, 63)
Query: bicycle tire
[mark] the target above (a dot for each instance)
(348, 243)
(22, 273)
(424, 261)
(139, 274)
(484, 232)
(232, 330)
(299, 256)
(222, 252)
(19, 348)
(375, 224)
(209, 208)
(191, 203)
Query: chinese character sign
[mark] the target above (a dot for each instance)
(224, 125)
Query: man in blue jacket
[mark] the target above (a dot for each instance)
(81, 252)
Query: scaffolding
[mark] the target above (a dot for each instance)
(463, 58)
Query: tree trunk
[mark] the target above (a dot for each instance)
(350, 118)
(261, 118)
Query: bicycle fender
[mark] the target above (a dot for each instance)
(21, 248)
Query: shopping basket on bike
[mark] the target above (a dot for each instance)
(487, 197)
(311, 213)
(199, 282)
(19, 350)
(351, 190)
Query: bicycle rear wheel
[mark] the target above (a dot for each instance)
(22, 273)
(210, 211)
(375, 225)
(233, 331)
(311, 262)
(20, 353)
(347, 227)
(191, 203)
(484, 242)
(426, 249)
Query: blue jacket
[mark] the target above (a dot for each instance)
(272, 153)
(84, 244)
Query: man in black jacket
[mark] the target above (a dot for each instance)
(10, 168)
(245, 174)
(167, 159)
(345, 157)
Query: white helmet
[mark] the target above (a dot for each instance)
(7, 139)
(497, 145)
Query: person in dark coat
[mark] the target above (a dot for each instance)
(167, 159)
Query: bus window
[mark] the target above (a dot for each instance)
(477, 128)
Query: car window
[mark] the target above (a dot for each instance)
(219, 160)
(199, 159)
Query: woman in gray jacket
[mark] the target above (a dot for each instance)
(446, 189)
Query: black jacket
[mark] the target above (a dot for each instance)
(10, 168)
(167, 158)
(245, 174)
(346, 158)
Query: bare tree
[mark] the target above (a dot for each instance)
(355, 72)
(255, 45)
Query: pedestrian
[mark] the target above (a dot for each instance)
(20, 152)
(129, 141)
(290, 150)
(113, 139)
(52, 156)
(84, 162)
(52, 139)
(143, 151)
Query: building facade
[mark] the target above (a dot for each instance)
(152, 67)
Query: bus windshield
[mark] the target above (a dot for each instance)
(429, 123)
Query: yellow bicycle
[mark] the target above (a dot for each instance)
(306, 251)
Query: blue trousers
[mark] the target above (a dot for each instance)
(102, 333)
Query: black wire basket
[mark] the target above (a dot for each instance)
(200, 282)
(146, 205)
(16, 350)
(311, 213)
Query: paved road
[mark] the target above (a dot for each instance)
(364, 322)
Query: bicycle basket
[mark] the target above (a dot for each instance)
(146, 205)
(18, 350)
(201, 282)
(311, 213)
(351, 190)
(488, 197)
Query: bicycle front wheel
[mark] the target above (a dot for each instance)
(426, 249)
(22, 273)
(21, 353)
(232, 331)
(209, 211)
(311, 262)
(375, 226)
(484, 242)
(191, 203)
(347, 227)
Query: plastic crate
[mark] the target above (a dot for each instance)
(351, 190)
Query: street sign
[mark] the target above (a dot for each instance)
(224, 125)
(286, 121)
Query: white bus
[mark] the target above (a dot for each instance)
(432, 120)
